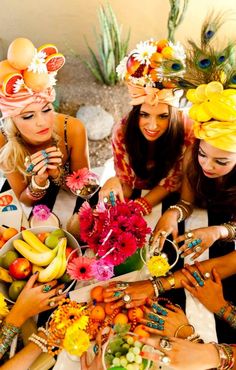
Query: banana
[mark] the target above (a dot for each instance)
(62, 270)
(33, 241)
(37, 258)
(36, 268)
(55, 268)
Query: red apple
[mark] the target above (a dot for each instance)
(68, 252)
(20, 268)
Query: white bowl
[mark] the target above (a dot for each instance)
(72, 242)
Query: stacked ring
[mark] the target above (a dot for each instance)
(30, 168)
(51, 303)
(112, 198)
(198, 249)
(194, 243)
(44, 153)
(117, 294)
(158, 309)
(188, 235)
(154, 325)
(122, 285)
(207, 275)
(155, 318)
(46, 288)
(127, 298)
(198, 278)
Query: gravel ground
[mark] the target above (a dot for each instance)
(77, 87)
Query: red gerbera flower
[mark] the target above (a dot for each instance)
(80, 268)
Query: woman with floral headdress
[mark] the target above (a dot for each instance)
(38, 146)
(148, 144)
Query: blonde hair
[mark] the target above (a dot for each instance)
(13, 153)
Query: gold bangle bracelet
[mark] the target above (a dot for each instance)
(181, 327)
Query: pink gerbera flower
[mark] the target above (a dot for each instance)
(102, 270)
(78, 179)
(80, 268)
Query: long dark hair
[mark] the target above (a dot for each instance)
(209, 193)
(166, 149)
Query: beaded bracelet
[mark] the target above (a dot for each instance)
(33, 195)
(226, 356)
(179, 209)
(146, 206)
(7, 333)
(40, 342)
(43, 330)
(159, 284)
(35, 186)
(156, 291)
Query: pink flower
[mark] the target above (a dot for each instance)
(102, 270)
(80, 178)
(80, 268)
(41, 212)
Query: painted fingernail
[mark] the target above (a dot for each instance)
(68, 295)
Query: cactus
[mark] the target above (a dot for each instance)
(111, 49)
(175, 17)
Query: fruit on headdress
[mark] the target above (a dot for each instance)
(5, 69)
(54, 62)
(48, 49)
(36, 81)
(10, 82)
(20, 53)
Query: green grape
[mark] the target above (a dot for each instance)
(138, 344)
(130, 340)
(138, 359)
(136, 350)
(123, 361)
(130, 357)
(116, 361)
(118, 354)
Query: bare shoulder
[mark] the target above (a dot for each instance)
(74, 125)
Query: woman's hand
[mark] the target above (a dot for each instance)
(138, 291)
(166, 225)
(183, 354)
(210, 294)
(165, 320)
(198, 240)
(112, 185)
(33, 300)
(44, 163)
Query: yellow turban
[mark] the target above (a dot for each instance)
(214, 113)
(219, 134)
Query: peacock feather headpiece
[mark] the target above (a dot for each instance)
(210, 81)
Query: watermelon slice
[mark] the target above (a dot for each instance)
(54, 62)
(9, 83)
(48, 49)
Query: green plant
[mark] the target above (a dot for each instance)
(176, 17)
(111, 48)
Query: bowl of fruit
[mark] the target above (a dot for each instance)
(45, 249)
(123, 351)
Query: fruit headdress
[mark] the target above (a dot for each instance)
(149, 70)
(28, 75)
(211, 83)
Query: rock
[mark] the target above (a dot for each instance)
(97, 121)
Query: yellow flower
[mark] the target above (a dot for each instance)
(76, 341)
(158, 266)
(3, 306)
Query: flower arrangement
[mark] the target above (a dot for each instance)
(82, 182)
(67, 328)
(153, 62)
(41, 212)
(113, 233)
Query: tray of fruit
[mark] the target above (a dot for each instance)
(44, 249)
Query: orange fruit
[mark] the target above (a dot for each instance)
(98, 313)
(97, 293)
(9, 233)
(9, 83)
(6, 69)
(42, 236)
(2, 242)
(140, 331)
(135, 313)
(120, 318)
(20, 53)
(48, 49)
(36, 81)
(108, 309)
(156, 60)
(54, 62)
(167, 52)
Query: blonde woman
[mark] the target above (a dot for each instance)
(38, 145)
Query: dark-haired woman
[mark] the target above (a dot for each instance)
(148, 144)
(148, 149)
